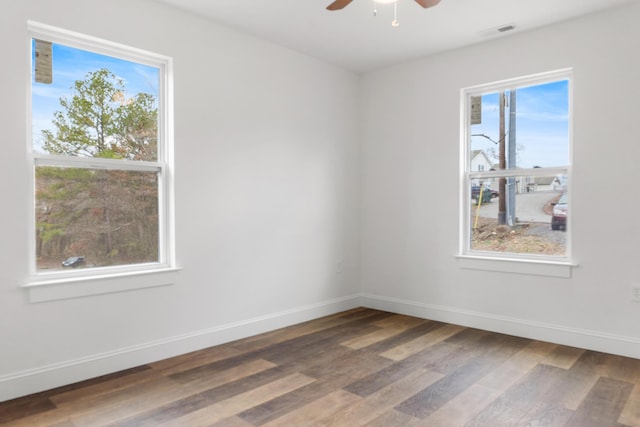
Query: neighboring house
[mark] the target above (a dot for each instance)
(544, 183)
(480, 162)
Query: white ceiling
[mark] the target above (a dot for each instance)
(353, 38)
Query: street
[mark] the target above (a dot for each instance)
(529, 207)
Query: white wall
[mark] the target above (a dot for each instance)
(411, 134)
(267, 198)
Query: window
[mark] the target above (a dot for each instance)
(516, 169)
(101, 154)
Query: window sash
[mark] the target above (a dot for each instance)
(96, 163)
(507, 173)
(164, 250)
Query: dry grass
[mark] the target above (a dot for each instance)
(489, 236)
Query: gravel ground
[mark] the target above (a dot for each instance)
(544, 231)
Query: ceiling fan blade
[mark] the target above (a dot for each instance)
(338, 4)
(427, 3)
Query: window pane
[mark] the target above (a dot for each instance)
(537, 137)
(529, 216)
(107, 217)
(91, 105)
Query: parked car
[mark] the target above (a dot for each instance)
(73, 261)
(559, 217)
(487, 194)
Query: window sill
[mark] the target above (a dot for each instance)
(76, 287)
(561, 269)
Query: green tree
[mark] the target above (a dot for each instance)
(136, 129)
(99, 121)
(110, 216)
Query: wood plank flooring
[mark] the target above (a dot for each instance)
(362, 367)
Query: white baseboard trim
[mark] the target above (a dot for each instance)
(574, 337)
(59, 374)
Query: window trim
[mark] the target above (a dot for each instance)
(557, 266)
(104, 278)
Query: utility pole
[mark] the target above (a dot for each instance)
(511, 182)
(502, 200)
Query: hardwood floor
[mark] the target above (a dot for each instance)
(358, 368)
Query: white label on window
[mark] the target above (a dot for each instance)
(44, 72)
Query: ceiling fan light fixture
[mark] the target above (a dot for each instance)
(340, 4)
(395, 23)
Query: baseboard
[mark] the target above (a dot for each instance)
(59, 374)
(574, 337)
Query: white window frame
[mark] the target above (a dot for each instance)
(556, 266)
(44, 286)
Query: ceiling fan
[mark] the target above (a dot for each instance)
(339, 4)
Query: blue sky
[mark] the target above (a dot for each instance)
(542, 125)
(71, 64)
(542, 110)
